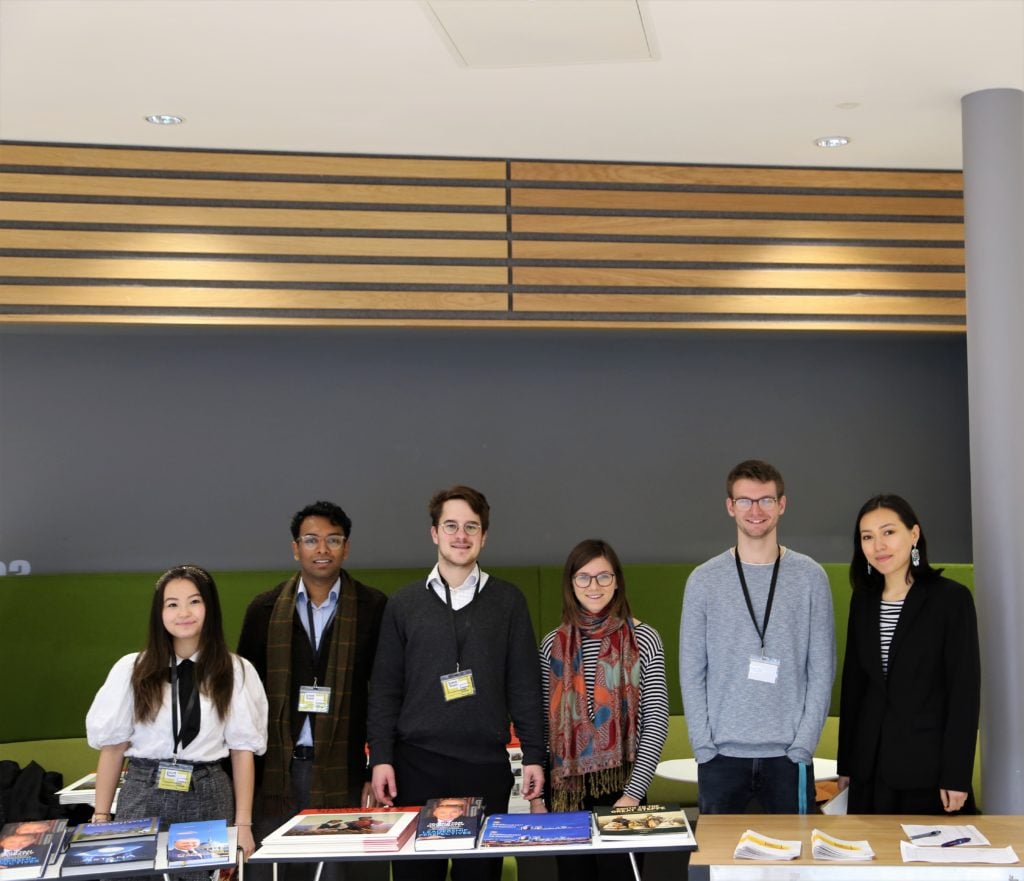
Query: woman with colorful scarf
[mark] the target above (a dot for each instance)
(607, 702)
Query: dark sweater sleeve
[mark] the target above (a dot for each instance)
(524, 685)
(387, 685)
(963, 675)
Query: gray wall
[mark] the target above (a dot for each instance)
(135, 449)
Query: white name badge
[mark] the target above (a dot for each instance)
(314, 699)
(176, 778)
(457, 685)
(763, 669)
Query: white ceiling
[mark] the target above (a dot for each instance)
(731, 81)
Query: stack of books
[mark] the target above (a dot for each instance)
(449, 823)
(124, 845)
(315, 833)
(28, 846)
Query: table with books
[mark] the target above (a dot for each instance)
(859, 848)
(456, 827)
(50, 849)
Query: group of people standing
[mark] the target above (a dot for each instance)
(429, 679)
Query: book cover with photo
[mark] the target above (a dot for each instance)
(127, 854)
(116, 829)
(642, 821)
(515, 830)
(27, 846)
(449, 823)
(198, 843)
(342, 830)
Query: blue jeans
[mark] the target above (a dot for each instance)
(727, 785)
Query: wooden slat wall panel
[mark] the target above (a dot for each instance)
(686, 246)
(92, 234)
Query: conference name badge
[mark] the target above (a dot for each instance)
(763, 669)
(458, 685)
(174, 777)
(314, 699)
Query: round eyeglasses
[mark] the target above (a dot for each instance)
(603, 579)
(451, 527)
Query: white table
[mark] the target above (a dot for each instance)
(685, 770)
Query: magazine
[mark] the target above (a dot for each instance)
(116, 829)
(449, 823)
(828, 847)
(513, 830)
(755, 846)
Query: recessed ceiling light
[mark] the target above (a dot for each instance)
(164, 119)
(833, 141)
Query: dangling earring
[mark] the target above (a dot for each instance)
(915, 556)
(869, 568)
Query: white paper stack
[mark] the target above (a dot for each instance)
(754, 846)
(828, 847)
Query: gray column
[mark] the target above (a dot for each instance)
(993, 134)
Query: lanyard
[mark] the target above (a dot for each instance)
(468, 619)
(176, 730)
(315, 644)
(761, 631)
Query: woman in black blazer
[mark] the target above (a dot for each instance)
(908, 716)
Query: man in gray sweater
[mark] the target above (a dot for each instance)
(756, 658)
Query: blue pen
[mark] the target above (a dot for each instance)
(926, 834)
(955, 842)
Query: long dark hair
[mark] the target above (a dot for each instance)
(214, 669)
(587, 550)
(860, 578)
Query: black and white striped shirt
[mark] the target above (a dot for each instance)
(652, 725)
(888, 618)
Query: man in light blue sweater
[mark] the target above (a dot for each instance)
(756, 658)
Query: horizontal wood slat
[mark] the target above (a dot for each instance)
(195, 269)
(606, 226)
(107, 158)
(758, 252)
(768, 279)
(738, 304)
(297, 219)
(122, 235)
(71, 185)
(731, 176)
(747, 203)
(262, 245)
(128, 296)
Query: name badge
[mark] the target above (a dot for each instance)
(174, 777)
(458, 685)
(763, 669)
(314, 699)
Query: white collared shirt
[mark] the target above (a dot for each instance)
(322, 616)
(462, 594)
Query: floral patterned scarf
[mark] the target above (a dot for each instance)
(592, 754)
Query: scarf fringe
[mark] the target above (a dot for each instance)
(568, 794)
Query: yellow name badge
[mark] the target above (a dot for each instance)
(175, 777)
(314, 699)
(458, 685)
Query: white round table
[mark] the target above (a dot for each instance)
(685, 770)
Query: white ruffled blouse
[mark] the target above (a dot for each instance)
(110, 719)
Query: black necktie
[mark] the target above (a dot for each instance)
(188, 702)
